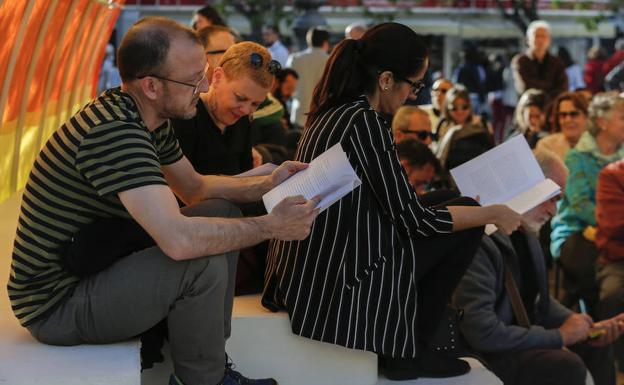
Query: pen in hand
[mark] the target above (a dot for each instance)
(595, 333)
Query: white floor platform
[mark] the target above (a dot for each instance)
(261, 345)
(24, 361)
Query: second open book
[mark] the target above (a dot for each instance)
(507, 174)
(329, 175)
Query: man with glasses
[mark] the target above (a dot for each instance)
(412, 122)
(438, 93)
(103, 252)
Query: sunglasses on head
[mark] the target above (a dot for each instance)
(256, 61)
(461, 107)
(420, 134)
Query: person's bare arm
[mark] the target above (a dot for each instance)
(192, 187)
(155, 208)
(465, 217)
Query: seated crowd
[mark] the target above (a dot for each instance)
(135, 222)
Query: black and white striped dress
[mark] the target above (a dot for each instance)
(351, 282)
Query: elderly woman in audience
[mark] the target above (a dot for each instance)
(573, 228)
(530, 116)
(462, 135)
(379, 266)
(570, 122)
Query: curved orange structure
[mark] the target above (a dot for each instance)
(50, 58)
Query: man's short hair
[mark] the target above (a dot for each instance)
(535, 25)
(316, 37)
(417, 154)
(548, 161)
(144, 48)
(207, 33)
(357, 26)
(237, 62)
(439, 81)
(403, 116)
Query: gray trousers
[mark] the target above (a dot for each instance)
(140, 290)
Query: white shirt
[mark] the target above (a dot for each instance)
(279, 52)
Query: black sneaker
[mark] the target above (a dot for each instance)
(428, 364)
(232, 377)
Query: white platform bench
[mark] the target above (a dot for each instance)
(24, 361)
(262, 345)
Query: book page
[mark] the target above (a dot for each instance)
(529, 199)
(499, 174)
(329, 175)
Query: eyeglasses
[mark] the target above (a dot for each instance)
(417, 86)
(256, 61)
(195, 86)
(571, 114)
(420, 134)
(440, 90)
(460, 107)
(216, 52)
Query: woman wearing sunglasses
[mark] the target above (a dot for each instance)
(462, 134)
(379, 266)
(573, 228)
(569, 118)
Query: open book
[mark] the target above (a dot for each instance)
(329, 175)
(507, 174)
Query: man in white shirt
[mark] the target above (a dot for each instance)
(279, 52)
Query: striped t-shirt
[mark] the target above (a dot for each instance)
(102, 150)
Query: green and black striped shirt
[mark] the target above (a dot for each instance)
(102, 150)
